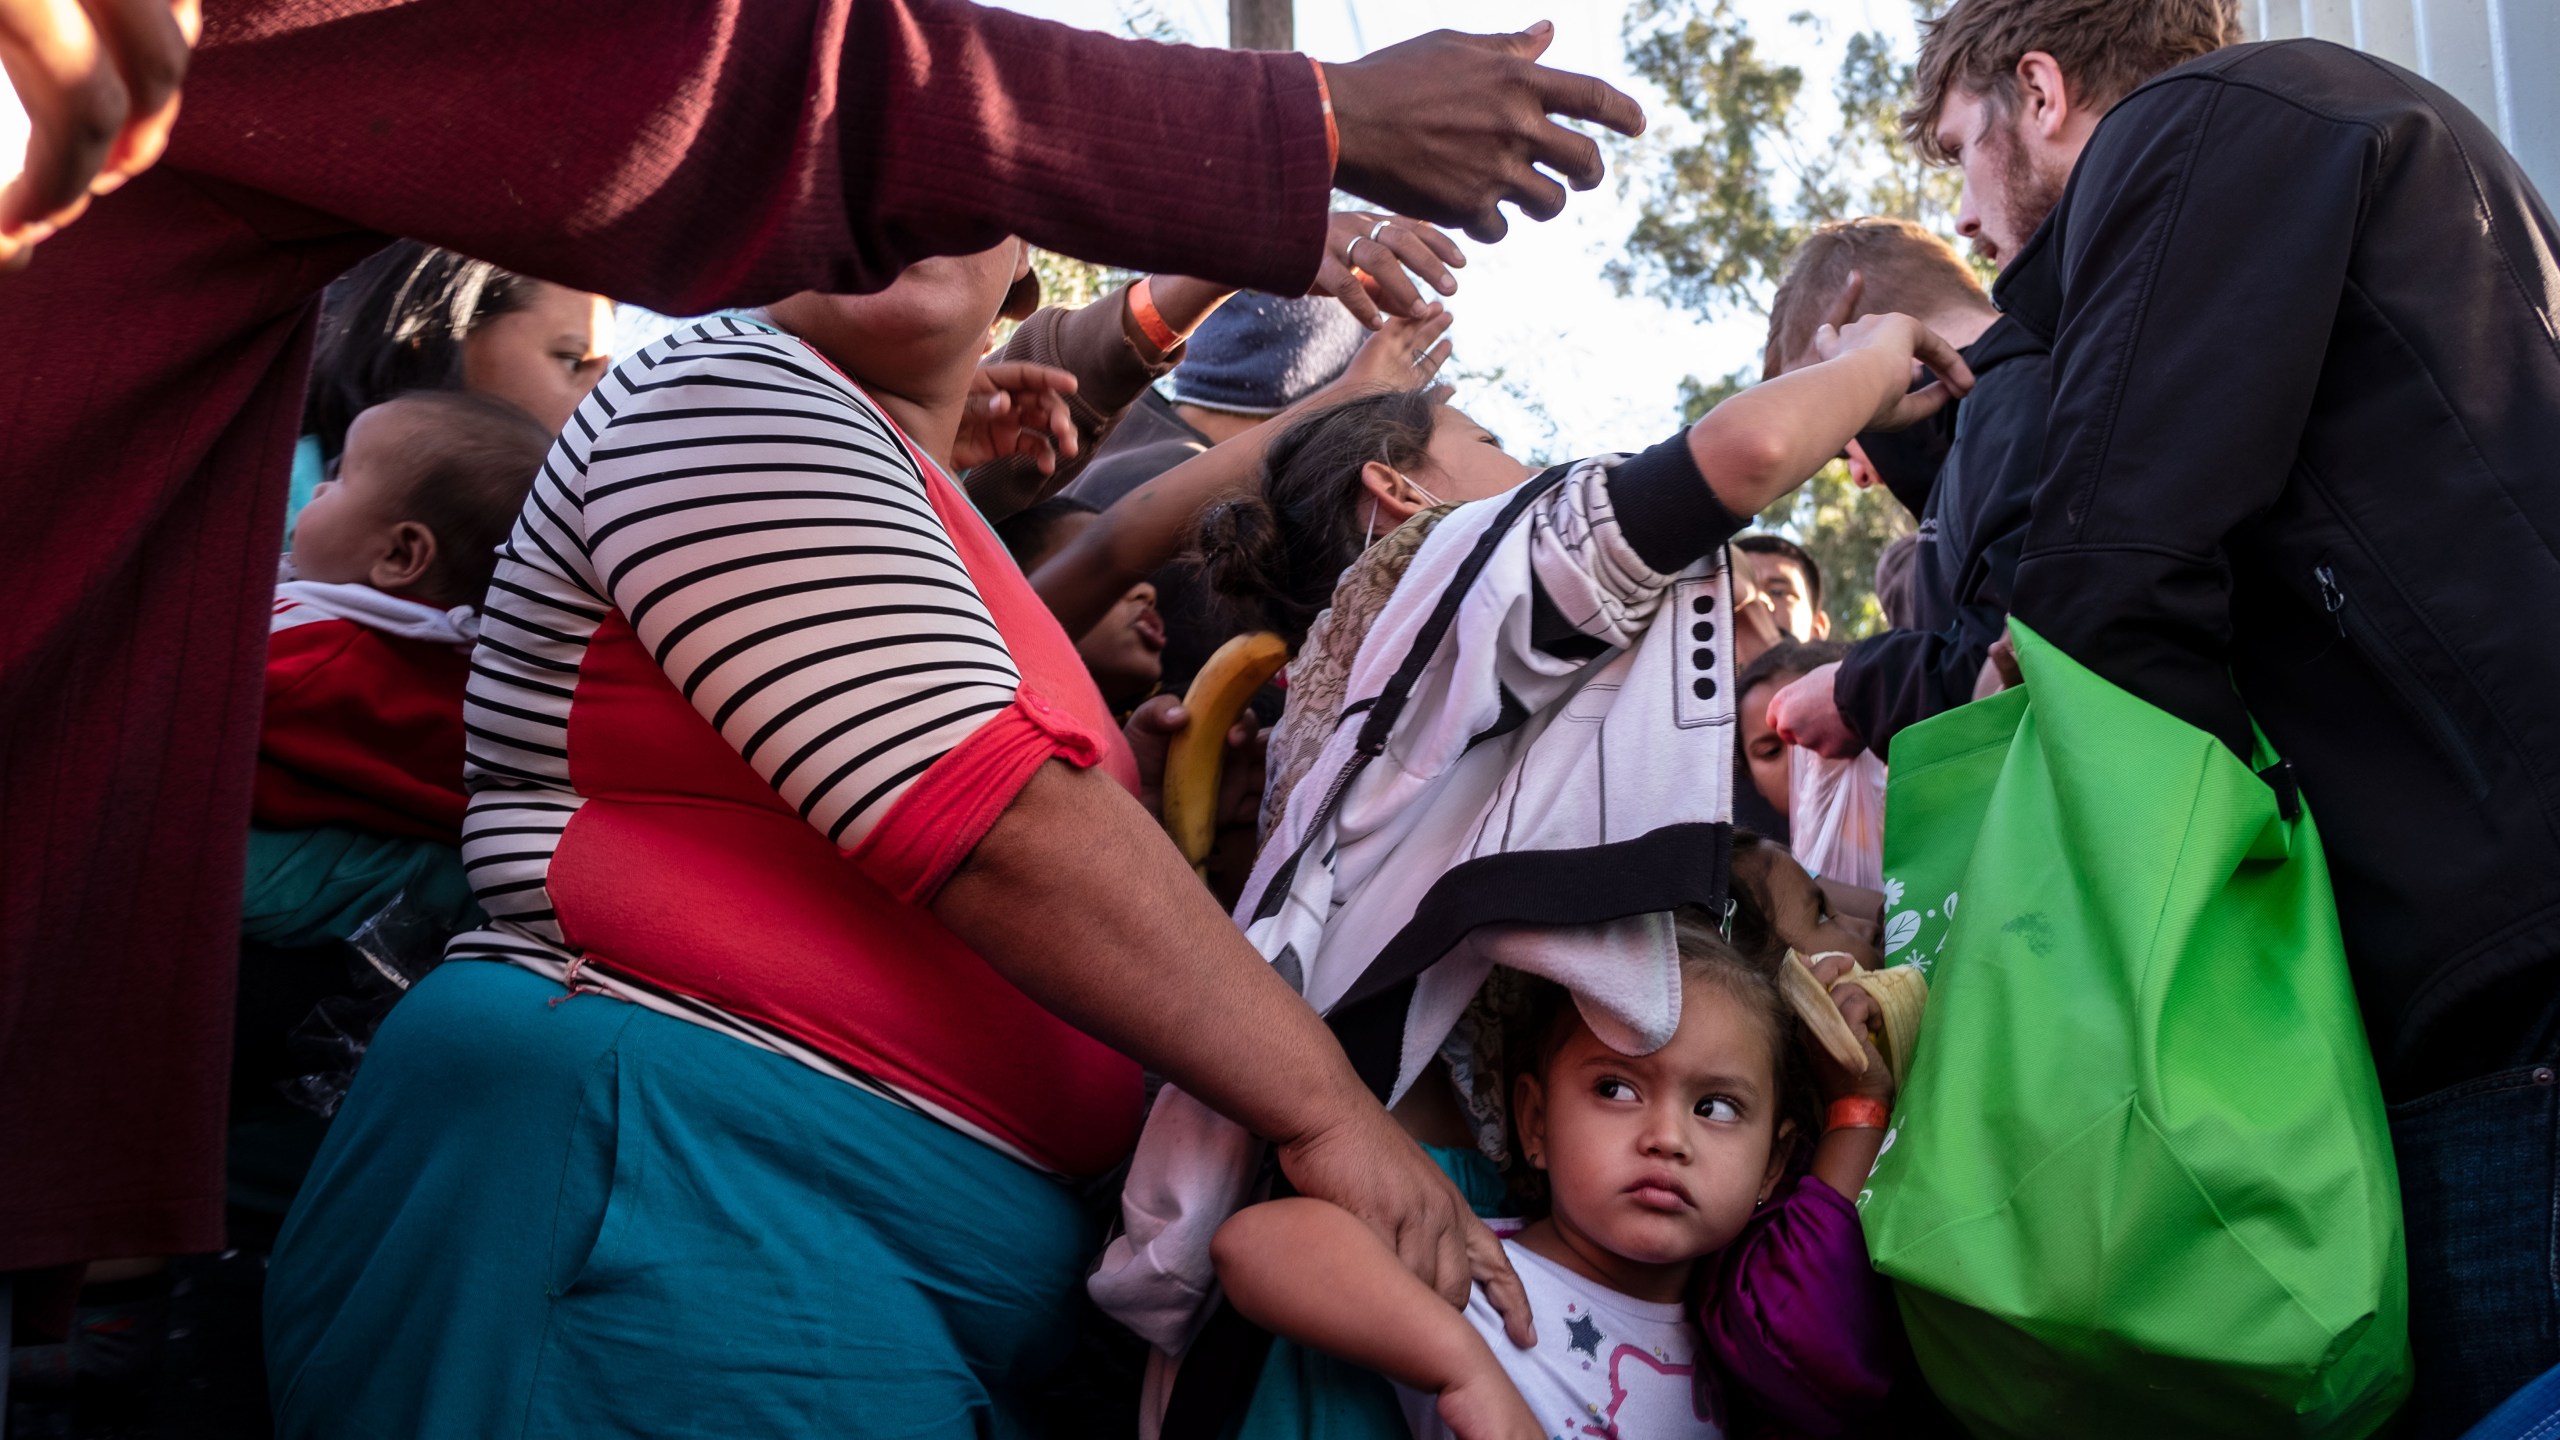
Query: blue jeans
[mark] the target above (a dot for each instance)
(2480, 1192)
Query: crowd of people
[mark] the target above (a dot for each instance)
(633, 880)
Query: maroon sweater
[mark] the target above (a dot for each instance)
(680, 156)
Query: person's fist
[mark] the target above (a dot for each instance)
(97, 83)
(1448, 127)
(1807, 713)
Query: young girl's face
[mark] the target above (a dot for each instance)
(1657, 1160)
(1762, 749)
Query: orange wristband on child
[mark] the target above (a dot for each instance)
(1142, 308)
(1857, 1112)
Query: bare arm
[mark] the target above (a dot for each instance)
(1078, 898)
(1153, 524)
(1309, 1271)
(1765, 441)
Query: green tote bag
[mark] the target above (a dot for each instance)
(2139, 1182)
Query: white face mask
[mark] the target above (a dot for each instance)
(1369, 537)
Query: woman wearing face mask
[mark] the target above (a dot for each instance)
(829, 941)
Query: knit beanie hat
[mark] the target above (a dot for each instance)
(1259, 354)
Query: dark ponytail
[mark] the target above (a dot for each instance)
(1276, 556)
(395, 323)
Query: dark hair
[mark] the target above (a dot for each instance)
(1761, 542)
(396, 323)
(1788, 657)
(1904, 265)
(2106, 48)
(1026, 533)
(465, 481)
(1277, 555)
(1547, 1015)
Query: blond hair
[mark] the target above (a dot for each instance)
(2106, 48)
(1905, 268)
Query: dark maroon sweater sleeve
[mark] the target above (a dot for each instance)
(735, 151)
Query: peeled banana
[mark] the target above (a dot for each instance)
(1901, 993)
(1217, 696)
(1821, 1016)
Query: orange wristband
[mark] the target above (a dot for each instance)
(1857, 1112)
(1142, 308)
(1332, 134)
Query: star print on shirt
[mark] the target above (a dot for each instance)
(1584, 1335)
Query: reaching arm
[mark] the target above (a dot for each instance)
(1765, 441)
(1076, 896)
(1151, 525)
(689, 157)
(1113, 361)
(2181, 381)
(1305, 1269)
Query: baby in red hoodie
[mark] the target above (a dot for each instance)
(371, 641)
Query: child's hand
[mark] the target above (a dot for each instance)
(1016, 408)
(1858, 1008)
(1487, 1406)
(1906, 339)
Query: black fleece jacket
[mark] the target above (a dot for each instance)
(1973, 520)
(2303, 465)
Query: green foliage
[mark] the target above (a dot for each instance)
(1741, 173)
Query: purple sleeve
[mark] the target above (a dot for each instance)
(1799, 1325)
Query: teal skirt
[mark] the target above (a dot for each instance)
(539, 1216)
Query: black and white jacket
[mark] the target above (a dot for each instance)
(1534, 767)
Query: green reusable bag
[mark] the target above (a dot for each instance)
(2139, 1182)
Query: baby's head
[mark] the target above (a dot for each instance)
(426, 491)
(1660, 1159)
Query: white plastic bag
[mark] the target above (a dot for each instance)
(1835, 814)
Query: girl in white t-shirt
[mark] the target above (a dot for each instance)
(1681, 1284)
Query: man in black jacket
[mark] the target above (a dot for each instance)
(1970, 489)
(2298, 468)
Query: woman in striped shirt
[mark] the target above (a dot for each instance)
(828, 925)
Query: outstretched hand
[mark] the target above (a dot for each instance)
(98, 81)
(1447, 127)
(1403, 355)
(1015, 408)
(1918, 346)
(1366, 256)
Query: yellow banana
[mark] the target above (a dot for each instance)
(1217, 696)
(1821, 1015)
(1901, 993)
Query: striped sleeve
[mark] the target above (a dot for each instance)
(772, 544)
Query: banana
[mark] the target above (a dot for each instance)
(1217, 696)
(1821, 1015)
(1901, 992)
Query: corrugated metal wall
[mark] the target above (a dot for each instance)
(2500, 57)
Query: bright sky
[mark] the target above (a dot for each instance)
(1607, 369)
